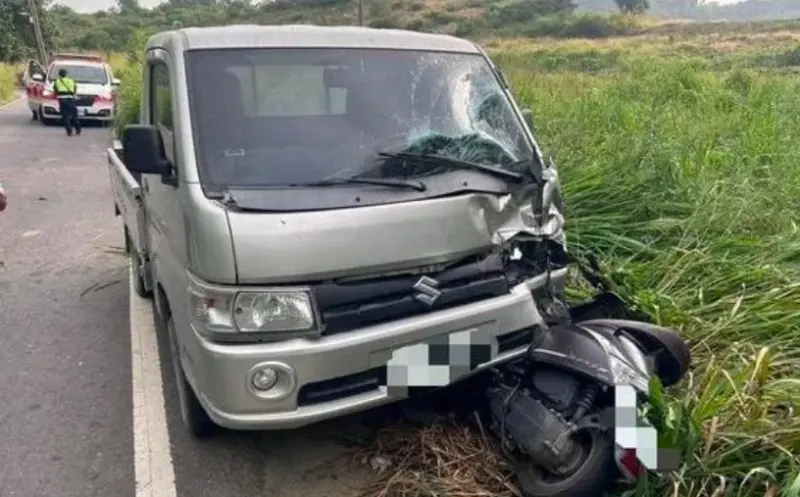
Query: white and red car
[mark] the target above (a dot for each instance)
(97, 87)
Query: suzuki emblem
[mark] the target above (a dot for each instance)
(427, 291)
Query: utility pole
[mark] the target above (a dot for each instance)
(360, 12)
(37, 28)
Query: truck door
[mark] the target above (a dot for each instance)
(165, 221)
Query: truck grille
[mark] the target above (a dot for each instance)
(84, 100)
(351, 305)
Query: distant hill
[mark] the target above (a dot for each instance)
(750, 10)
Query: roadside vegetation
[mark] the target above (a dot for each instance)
(9, 81)
(678, 146)
(682, 177)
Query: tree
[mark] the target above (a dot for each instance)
(632, 6)
(17, 37)
(128, 6)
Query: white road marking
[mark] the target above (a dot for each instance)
(155, 475)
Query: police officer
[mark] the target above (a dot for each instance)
(65, 90)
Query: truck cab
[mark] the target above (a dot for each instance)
(317, 210)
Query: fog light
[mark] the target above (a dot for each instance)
(264, 378)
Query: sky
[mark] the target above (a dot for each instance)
(95, 5)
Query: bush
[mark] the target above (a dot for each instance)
(584, 26)
(130, 75)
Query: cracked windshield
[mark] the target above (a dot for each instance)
(274, 117)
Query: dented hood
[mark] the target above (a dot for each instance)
(295, 247)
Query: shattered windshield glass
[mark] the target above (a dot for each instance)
(288, 117)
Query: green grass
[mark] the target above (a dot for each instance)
(8, 82)
(681, 173)
(684, 181)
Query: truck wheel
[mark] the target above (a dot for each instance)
(44, 120)
(136, 273)
(35, 116)
(193, 415)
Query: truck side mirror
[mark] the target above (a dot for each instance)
(144, 150)
(116, 82)
(527, 114)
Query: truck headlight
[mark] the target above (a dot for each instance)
(225, 313)
(273, 311)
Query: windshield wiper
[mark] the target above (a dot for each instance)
(457, 163)
(420, 187)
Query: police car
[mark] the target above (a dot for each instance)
(97, 87)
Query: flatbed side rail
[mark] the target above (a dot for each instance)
(132, 186)
(128, 201)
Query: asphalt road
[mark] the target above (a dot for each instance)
(66, 403)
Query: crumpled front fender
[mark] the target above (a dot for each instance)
(513, 215)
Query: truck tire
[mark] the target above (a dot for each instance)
(194, 417)
(136, 273)
(44, 120)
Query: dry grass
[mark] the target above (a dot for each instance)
(440, 460)
(653, 44)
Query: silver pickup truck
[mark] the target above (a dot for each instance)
(317, 210)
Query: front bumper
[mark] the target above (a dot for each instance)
(345, 373)
(99, 111)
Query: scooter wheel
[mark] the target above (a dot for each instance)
(590, 479)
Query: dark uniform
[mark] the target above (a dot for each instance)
(66, 90)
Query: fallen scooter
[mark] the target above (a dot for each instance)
(553, 409)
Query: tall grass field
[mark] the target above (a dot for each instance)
(679, 161)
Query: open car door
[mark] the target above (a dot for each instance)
(33, 79)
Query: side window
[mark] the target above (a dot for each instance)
(161, 105)
(160, 97)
